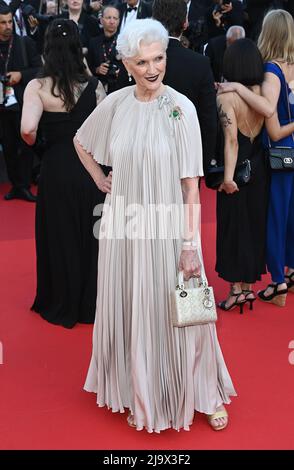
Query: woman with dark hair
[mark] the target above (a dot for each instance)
(60, 100)
(276, 45)
(241, 211)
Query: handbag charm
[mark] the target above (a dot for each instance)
(193, 306)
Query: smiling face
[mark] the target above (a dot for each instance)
(148, 67)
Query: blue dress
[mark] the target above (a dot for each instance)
(280, 225)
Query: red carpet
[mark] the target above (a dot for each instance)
(43, 366)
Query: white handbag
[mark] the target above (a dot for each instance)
(193, 306)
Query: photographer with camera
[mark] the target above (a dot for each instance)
(19, 63)
(25, 16)
(102, 55)
(222, 15)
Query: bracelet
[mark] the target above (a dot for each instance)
(189, 248)
(191, 243)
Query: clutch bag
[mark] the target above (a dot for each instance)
(192, 306)
(215, 175)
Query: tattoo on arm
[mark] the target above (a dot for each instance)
(224, 118)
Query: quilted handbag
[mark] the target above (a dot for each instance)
(281, 158)
(193, 306)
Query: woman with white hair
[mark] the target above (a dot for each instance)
(150, 135)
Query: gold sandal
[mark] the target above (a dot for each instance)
(218, 414)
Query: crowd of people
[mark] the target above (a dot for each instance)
(127, 105)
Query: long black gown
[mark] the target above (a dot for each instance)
(67, 250)
(241, 219)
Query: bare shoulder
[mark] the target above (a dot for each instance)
(227, 99)
(272, 78)
(34, 85)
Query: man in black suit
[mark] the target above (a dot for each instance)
(102, 54)
(189, 72)
(19, 63)
(134, 10)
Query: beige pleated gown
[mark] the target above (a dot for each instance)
(139, 360)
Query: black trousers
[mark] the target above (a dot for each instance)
(17, 154)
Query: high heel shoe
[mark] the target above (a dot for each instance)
(246, 293)
(278, 297)
(290, 283)
(222, 304)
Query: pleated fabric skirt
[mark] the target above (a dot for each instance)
(162, 374)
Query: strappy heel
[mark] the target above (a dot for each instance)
(237, 302)
(278, 297)
(246, 293)
(290, 283)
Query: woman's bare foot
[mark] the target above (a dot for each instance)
(235, 297)
(247, 290)
(270, 290)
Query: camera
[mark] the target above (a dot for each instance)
(218, 8)
(197, 27)
(112, 71)
(4, 80)
(29, 10)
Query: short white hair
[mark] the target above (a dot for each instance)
(139, 32)
(236, 31)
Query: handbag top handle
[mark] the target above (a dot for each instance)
(289, 110)
(202, 280)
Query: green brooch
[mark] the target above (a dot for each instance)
(176, 113)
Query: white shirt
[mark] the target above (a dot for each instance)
(130, 16)
(188, 7)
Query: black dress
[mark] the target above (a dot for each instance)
(67, 250)
(241, 220)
